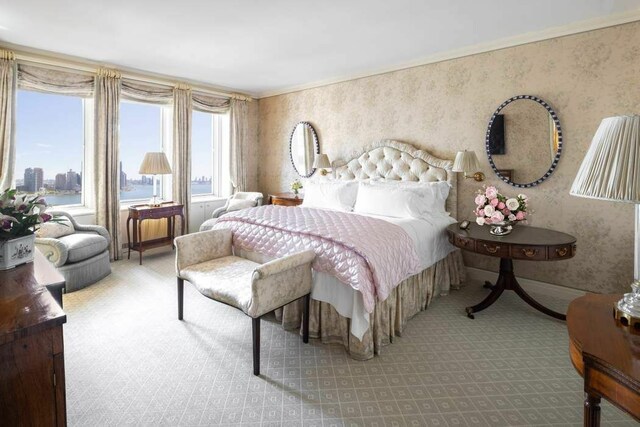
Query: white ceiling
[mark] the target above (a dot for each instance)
(261, 47)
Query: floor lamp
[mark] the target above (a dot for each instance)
(155, 163)
(611, 171)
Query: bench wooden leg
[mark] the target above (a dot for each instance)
(255, 323)
(305, 319)
(180, 297)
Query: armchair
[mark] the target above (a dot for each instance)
(79, 252)
(237, 201)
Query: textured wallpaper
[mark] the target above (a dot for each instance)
(445, 107)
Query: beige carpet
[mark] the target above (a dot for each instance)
(130, 361)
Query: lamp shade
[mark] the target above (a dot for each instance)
(155, 163)
(321, 161)
(466, 161)
(611, 168)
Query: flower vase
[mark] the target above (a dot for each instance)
(501, 228)
(16, 251)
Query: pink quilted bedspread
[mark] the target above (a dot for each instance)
(369, 254)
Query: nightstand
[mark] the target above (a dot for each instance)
(286, 199)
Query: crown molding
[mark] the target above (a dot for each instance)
(59, 60)
(518, 40)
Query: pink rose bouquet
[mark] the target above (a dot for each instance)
(493, 207)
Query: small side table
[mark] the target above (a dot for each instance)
(605, 354)
(286, 199)
(523, 243)
(139, 213)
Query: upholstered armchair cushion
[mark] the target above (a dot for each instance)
(81, 246)
(254, 197)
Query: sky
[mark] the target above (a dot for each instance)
(50, 128)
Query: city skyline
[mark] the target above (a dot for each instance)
(50, 135)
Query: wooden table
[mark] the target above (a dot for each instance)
(606, 354)
(523, 243)
(286, 199)
(32, 381)
(140, 213)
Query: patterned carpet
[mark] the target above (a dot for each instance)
(130, 361)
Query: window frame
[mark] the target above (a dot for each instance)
(220, 152)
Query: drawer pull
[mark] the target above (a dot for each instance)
(530, 253)
(562, 252)
(492, 250)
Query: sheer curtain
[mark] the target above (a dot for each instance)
(182, 108)
(7, 117)
(107, 173)
(238, 136)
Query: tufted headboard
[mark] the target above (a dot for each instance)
(395, 160)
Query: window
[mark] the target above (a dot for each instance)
(210, 155)
(140, 132)
(50, 146)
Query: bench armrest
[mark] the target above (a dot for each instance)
(204, 246)
(281, 280)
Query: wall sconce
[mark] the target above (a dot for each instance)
(467, 162)
(321, 161)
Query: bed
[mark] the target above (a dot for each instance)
(345, 308)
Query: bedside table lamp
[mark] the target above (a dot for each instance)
(467, 162)
(611, 171)
(155, 163)
(321, 161)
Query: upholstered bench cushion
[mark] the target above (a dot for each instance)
(83, 245)
(226, 279)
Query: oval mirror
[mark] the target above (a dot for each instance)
(303, 146)
(524, 141)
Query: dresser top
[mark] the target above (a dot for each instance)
(520, 235)
(26, 306)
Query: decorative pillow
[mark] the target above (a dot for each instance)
(55, 230)
(340, 196)
(237, 204)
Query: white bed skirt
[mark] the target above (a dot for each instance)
(389, 317)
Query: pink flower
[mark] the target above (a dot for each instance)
(497, 216)
(520, 216)
(491, 192)
(501, 205)
(480, 200)
(45, 217)
(487, 220)
(494, 202)
(506, 212)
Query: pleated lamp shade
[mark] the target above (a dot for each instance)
(321, 161)
(466, 161)
(611, 168)
(155, 163)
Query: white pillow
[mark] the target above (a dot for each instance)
(237, 204)
(340, 196)
(55, 230)
(390, 201)
(434, 194)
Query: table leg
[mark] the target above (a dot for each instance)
(507, 281)
(140, 240)
(128, 238)
(592, 411)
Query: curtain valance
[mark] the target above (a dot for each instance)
(48, 80)
(210, 103)
(134, 90)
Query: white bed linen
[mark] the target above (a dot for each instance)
(431, 243)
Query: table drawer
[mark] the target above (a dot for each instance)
(492, 248)
(528, 252)
(462, 242)
(562, 251)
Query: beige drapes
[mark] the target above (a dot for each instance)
(7, 117)
(134, 90)
(49, 80)
(107, 173)
(238, 135)
(210, 103)
(182, 149)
